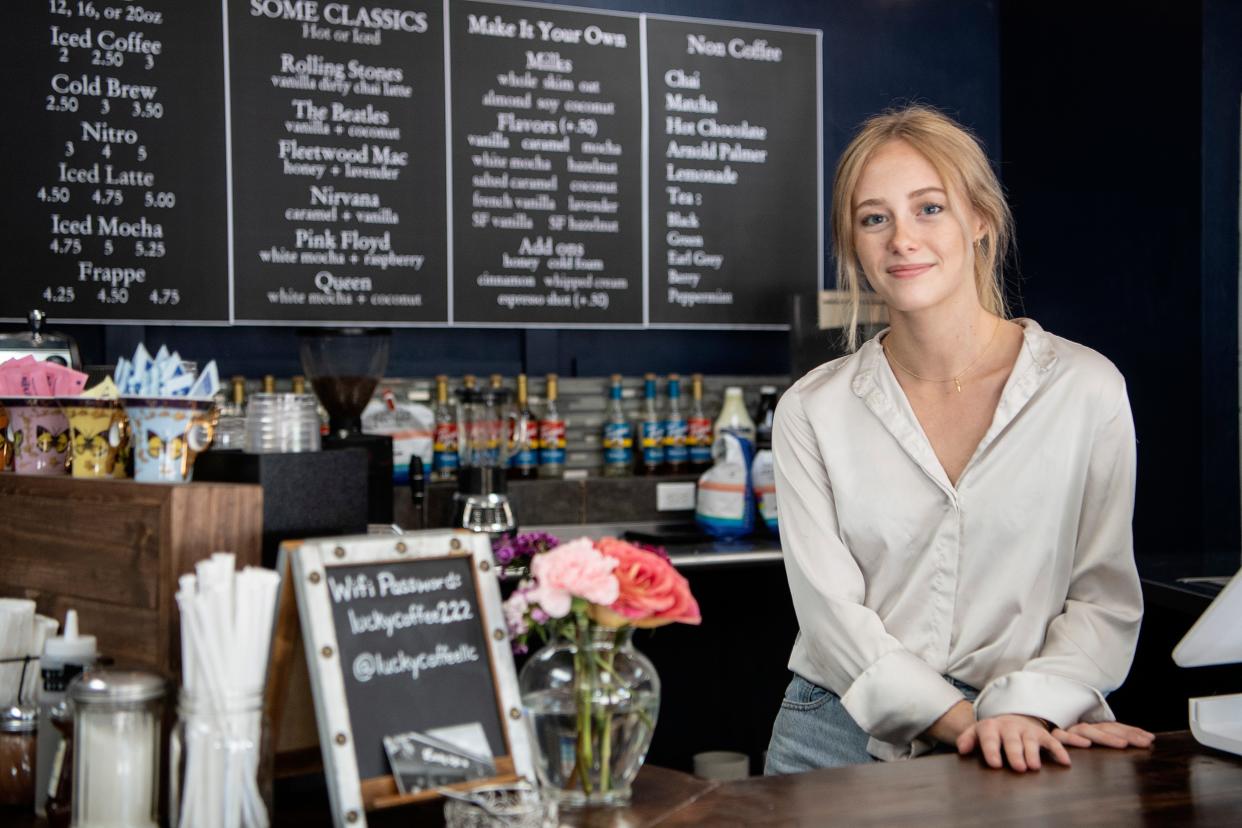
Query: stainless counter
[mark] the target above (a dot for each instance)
(684, 553)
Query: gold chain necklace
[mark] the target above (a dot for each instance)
(956, 379)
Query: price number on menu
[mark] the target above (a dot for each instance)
(58, 294)
(53, 195)
(580, 126)
(167, 296)
(598, 299)
(150, 199)
(149, 109)
(108, 57)
(61, 103)
(149, 249)
(69, 246)
(108, 197)
(113, 295)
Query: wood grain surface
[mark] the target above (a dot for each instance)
(113, 550)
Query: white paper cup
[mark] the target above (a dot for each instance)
(721, 765)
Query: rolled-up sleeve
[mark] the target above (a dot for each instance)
(1090, 644)
(891, 693)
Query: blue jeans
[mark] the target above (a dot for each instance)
(813, 730)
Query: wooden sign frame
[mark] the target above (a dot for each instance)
(304, 566)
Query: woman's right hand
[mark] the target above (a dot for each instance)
(1106, 734)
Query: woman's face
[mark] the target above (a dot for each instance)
(913, 237)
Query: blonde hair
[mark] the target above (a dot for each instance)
(958, 158)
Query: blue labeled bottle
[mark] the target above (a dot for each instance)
(551, 436)
(676, 453)
(444, 441)
(650, 431)
(618, 437)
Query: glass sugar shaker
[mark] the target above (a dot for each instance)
(116, 759)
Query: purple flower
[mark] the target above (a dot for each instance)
(525, 546)
(504, 552)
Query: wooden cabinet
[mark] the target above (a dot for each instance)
(113, 550)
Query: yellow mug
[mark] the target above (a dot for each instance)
(97, 428)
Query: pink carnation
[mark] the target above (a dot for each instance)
(515, 613)
(572, 570)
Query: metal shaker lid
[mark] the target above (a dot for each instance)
(116, 687)
(18, 719)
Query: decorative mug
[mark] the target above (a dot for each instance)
(167, 433)
(6, 447)
(39, 435)
(96, 431)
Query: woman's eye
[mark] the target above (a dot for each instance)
(932, 209)
(872, 220)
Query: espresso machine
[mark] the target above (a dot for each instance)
(344, 365)
(481, 503)
(40, 344)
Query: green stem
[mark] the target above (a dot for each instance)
(605, 759)
(584, 685)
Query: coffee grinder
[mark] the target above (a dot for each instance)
(344, 365)
(480, 503)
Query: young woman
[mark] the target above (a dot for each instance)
(956, 494)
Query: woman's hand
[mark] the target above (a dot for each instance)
(1108, 734)
(1019, 739)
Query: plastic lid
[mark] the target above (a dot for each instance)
(733, 390)
(70, 645)
(18, 719)
(116, 686)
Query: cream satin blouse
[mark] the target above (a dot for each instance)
(1019, 581)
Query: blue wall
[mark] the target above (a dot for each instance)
(1120, 132)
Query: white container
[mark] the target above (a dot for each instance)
(721, 765)
(64, 656)
(733, 415)
(116, 748)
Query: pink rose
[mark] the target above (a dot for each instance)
(651, 593)
(572, 570)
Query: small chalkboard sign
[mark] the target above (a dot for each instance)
(403, 635)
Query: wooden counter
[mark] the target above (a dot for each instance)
(1176, 783)
(113, 550)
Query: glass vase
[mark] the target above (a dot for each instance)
(593, 701)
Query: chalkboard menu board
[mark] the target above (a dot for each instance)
(114, 201)
(547, 165)
(735, 170)
(338, 162)
(411, 163)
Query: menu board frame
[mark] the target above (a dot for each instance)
(310, 564)
(641, 237)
